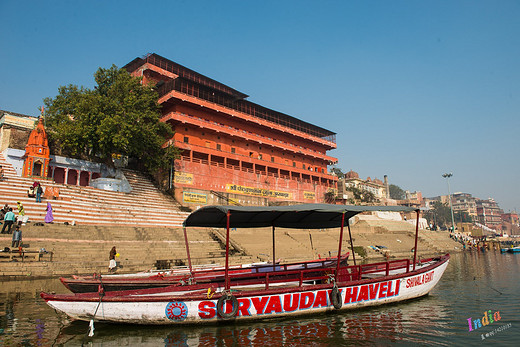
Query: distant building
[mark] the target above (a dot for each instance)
(351, 180)
(374, 186)
(510, 223)
(489, 213)
(15, 129)
(464, 202)
(412, 199)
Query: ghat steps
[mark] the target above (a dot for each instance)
(84, 249)
(145, 205)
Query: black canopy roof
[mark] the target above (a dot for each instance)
(304, 216)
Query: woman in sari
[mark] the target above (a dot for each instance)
(49, 217)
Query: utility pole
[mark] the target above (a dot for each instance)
(447, 176)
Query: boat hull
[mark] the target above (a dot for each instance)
(162, 308)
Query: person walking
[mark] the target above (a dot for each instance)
(39, 192)
(9, 219)
(21, 211)
(49, 218)
(17, 237)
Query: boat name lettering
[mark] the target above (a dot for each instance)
(373, 291)
(419, 280)
(272, 304)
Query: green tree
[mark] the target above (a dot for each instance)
(462, 217)
(119, 116)
(337, 171)
(439, 214)
(329, 197)
(396, 192)
(362, 196)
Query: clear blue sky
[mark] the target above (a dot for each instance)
(413, 89)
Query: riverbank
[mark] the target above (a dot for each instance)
(84, 249)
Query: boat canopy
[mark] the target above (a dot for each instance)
(303, 216)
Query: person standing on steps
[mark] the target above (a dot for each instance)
(21, 211)
(17, 237)
(39, 192)
(3, 211)
(9, 219)
(112, 258)
(22, 219)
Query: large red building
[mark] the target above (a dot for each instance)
(233, 150)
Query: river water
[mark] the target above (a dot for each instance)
(474, 283)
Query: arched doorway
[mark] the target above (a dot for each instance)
(72, 177)
(37, 168)
(84, 178)
(59, 175)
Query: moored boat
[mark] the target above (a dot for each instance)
(181, 276)
(510, 250)
(274, 293)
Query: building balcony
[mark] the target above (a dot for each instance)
(245, 163)
(235, 132)
(328, 142)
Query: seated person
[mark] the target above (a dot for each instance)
(31, 192)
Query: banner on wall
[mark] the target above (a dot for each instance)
(183, 178)
(236, 189)
(309, 195)
(194, 198)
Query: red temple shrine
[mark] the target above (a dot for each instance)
(232, 149)
(37, 154)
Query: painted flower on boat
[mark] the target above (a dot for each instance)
(177, 311)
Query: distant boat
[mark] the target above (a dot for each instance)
(510, 250)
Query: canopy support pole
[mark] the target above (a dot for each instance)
(227, 251)
(351, 243)
(340, 242)
(274, 258)
(187, 248)
(416, 237)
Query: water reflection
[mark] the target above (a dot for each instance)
(473, 283)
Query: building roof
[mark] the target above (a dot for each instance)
(192, 83)
(183, 72)
(17, 120)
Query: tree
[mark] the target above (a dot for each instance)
(329, 197)
(439, 215)
(462, 216)
(362, 196)
(120, 116)
(396, 192)
(337, 171)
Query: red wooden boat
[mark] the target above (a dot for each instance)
(289, 292)
(182, 276)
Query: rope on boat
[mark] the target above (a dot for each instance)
(101, 291)
(210, 293)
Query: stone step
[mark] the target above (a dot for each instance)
(144, 206)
